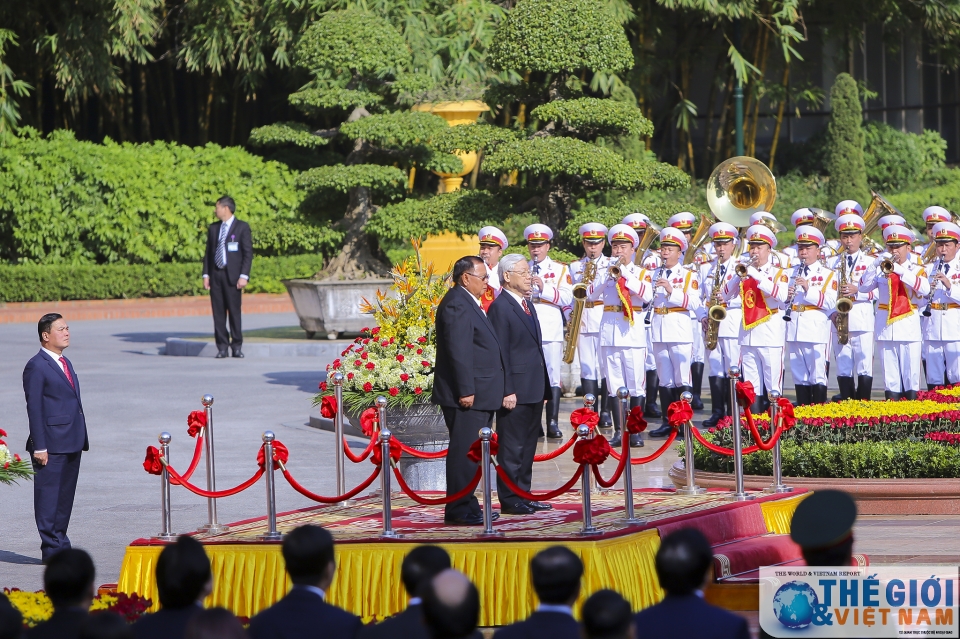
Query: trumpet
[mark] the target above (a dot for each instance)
(886, 264)
(741, 268)
(616, 269)
(933, 284)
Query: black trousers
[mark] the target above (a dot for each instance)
(518, 432)
(225, 300)
(464, 424)
(54, 487)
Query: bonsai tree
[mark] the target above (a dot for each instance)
(845, 160)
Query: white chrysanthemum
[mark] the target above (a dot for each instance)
(5, 455)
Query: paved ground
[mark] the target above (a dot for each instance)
(129, 397)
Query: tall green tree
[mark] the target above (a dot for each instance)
(845, 162)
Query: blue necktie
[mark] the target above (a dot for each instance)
(222, 246)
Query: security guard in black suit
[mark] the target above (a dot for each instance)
(226, 271)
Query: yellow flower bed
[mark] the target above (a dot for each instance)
(36, 607)
(952, 392)
(870, 409)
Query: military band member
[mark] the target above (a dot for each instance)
(848, 207)
(713, 276)
(891, 220)
(623, 342)
(800, 217)
(941, 331)
(593, 236)
(492, 244)
(676, 295)
(762, 293)
(855, 358)
(897, 323)
(639, 222)
(553, 292)
(779, 258)
(932, 215)
(685, 223)
(812, 297)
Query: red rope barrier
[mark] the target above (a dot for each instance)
(413, 452)
(556, 453)
(176, 478)
(761, 444)
(649, 458)
(721, 450)
(622, 463)
(438, 501)
(522, 494)
(356, 459)
(329, 500)
(196, 458)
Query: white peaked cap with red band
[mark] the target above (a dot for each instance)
(809, 235)
(761, 233)
(623, 233)
(848, 206)
(946, 231)
(759, 216)
(896, 233)
(593, 231)
(538, 234)
(890, 220)
(850, 222)
(682, 220)
(936, 214)
(636, 221)
(493, 235)
(673, 236)
(723, 231)
(803, 216)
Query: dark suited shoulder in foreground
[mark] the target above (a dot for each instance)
(542, 625)
(303, 614)
(63, 624)
(166, 623)
(690, 616)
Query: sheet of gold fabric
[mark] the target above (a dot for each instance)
(778, 513)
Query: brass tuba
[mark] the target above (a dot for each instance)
(738, 188)
(877, 208)
(576, 315)
(650, 233)
(698, 239)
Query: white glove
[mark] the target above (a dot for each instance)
(900, 269)
(754, 272)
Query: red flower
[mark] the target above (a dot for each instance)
(400, 358)
(371, 366)
(417, 390)
(392, 340)
(323, 386)
(375, 330)
(365, 329)
(195, 421)
(404, 377)
(425, 364)
(350, 375)
(363, 355)
(367, 387)
(366, 341)
(336, 363)
(357, 362)
(384, 343)
(328, 406)
(394, 391)
(422, 340)
(410, 346)
(16, 457)
(419, 351)
(3, 433)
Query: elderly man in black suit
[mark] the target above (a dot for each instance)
(514, 319)
(226, 271)
(468, 382)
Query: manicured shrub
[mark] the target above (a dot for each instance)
(844, 159)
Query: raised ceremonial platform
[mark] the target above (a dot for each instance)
(249, 573)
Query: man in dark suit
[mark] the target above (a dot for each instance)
(58, 433)
(183, 581)
(304, 612)
(226, 271)
(514, 319)
(68, 582)
(683, 565)
(556, 574)
(420, 565)
(468, 380)
(607, 615)
(451, 606)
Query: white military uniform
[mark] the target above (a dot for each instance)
(899, 342)
(808, 332)
(761, 347)
(855, 358)
(555, 299)
(588, 344)
(727, 352)
(671, 330)
(651, 264)
(941, 331)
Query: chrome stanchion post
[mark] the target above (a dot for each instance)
(212, 526)
(738, 494)
(385, 468)
(338, 432)
(486, 435)
(583, 432)
(166, 530)
(631, 518)
(778, 485)
(691, 488)
(271, 534)
(589, 401)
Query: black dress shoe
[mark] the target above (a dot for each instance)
(238, 353)
(539, 505)
(222, 355)
(521, 508)
(554, 432)
(636, 441)
(663, 431)
(468, 520)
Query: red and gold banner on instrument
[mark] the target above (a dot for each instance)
(755, 310)
(624, 294)
(900, 305)
(487, 298)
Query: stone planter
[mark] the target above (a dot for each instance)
(331, 307)
(873, 496)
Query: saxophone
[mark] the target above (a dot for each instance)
(576, 315)
(844, 306)
(716, 314)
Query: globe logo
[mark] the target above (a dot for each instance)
(794, 604)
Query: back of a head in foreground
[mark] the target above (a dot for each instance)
(214, 623)
(183, 571)
(308, 553)
(451, 605)
(420, 564)
(683, 560)
(607, 615)
(106, 625)
(68, 578)
(556, 574)
(822, 526)
(11, 621)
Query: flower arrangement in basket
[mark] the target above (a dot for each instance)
(12, 467)
(396, 357)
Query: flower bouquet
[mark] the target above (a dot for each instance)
(395, 358)
(12, 467)
(36, 607)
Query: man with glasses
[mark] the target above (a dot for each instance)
(468, 380)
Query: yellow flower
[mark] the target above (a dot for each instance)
(953, 391)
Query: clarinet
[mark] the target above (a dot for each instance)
(657, 276)
(933, 284)
(793, 282)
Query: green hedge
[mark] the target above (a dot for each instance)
(42, 283)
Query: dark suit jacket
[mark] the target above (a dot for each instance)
(544, 625)
(238, 262)
(405, 625)
(689, 616)
(302, 615)
(522, 349)
(54, 410)
(64, 624)
(167, 623)
(469, 358)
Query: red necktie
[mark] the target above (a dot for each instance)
(526, 309)
(66, 371)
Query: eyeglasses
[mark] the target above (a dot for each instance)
(485, 278)
(520, 273)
